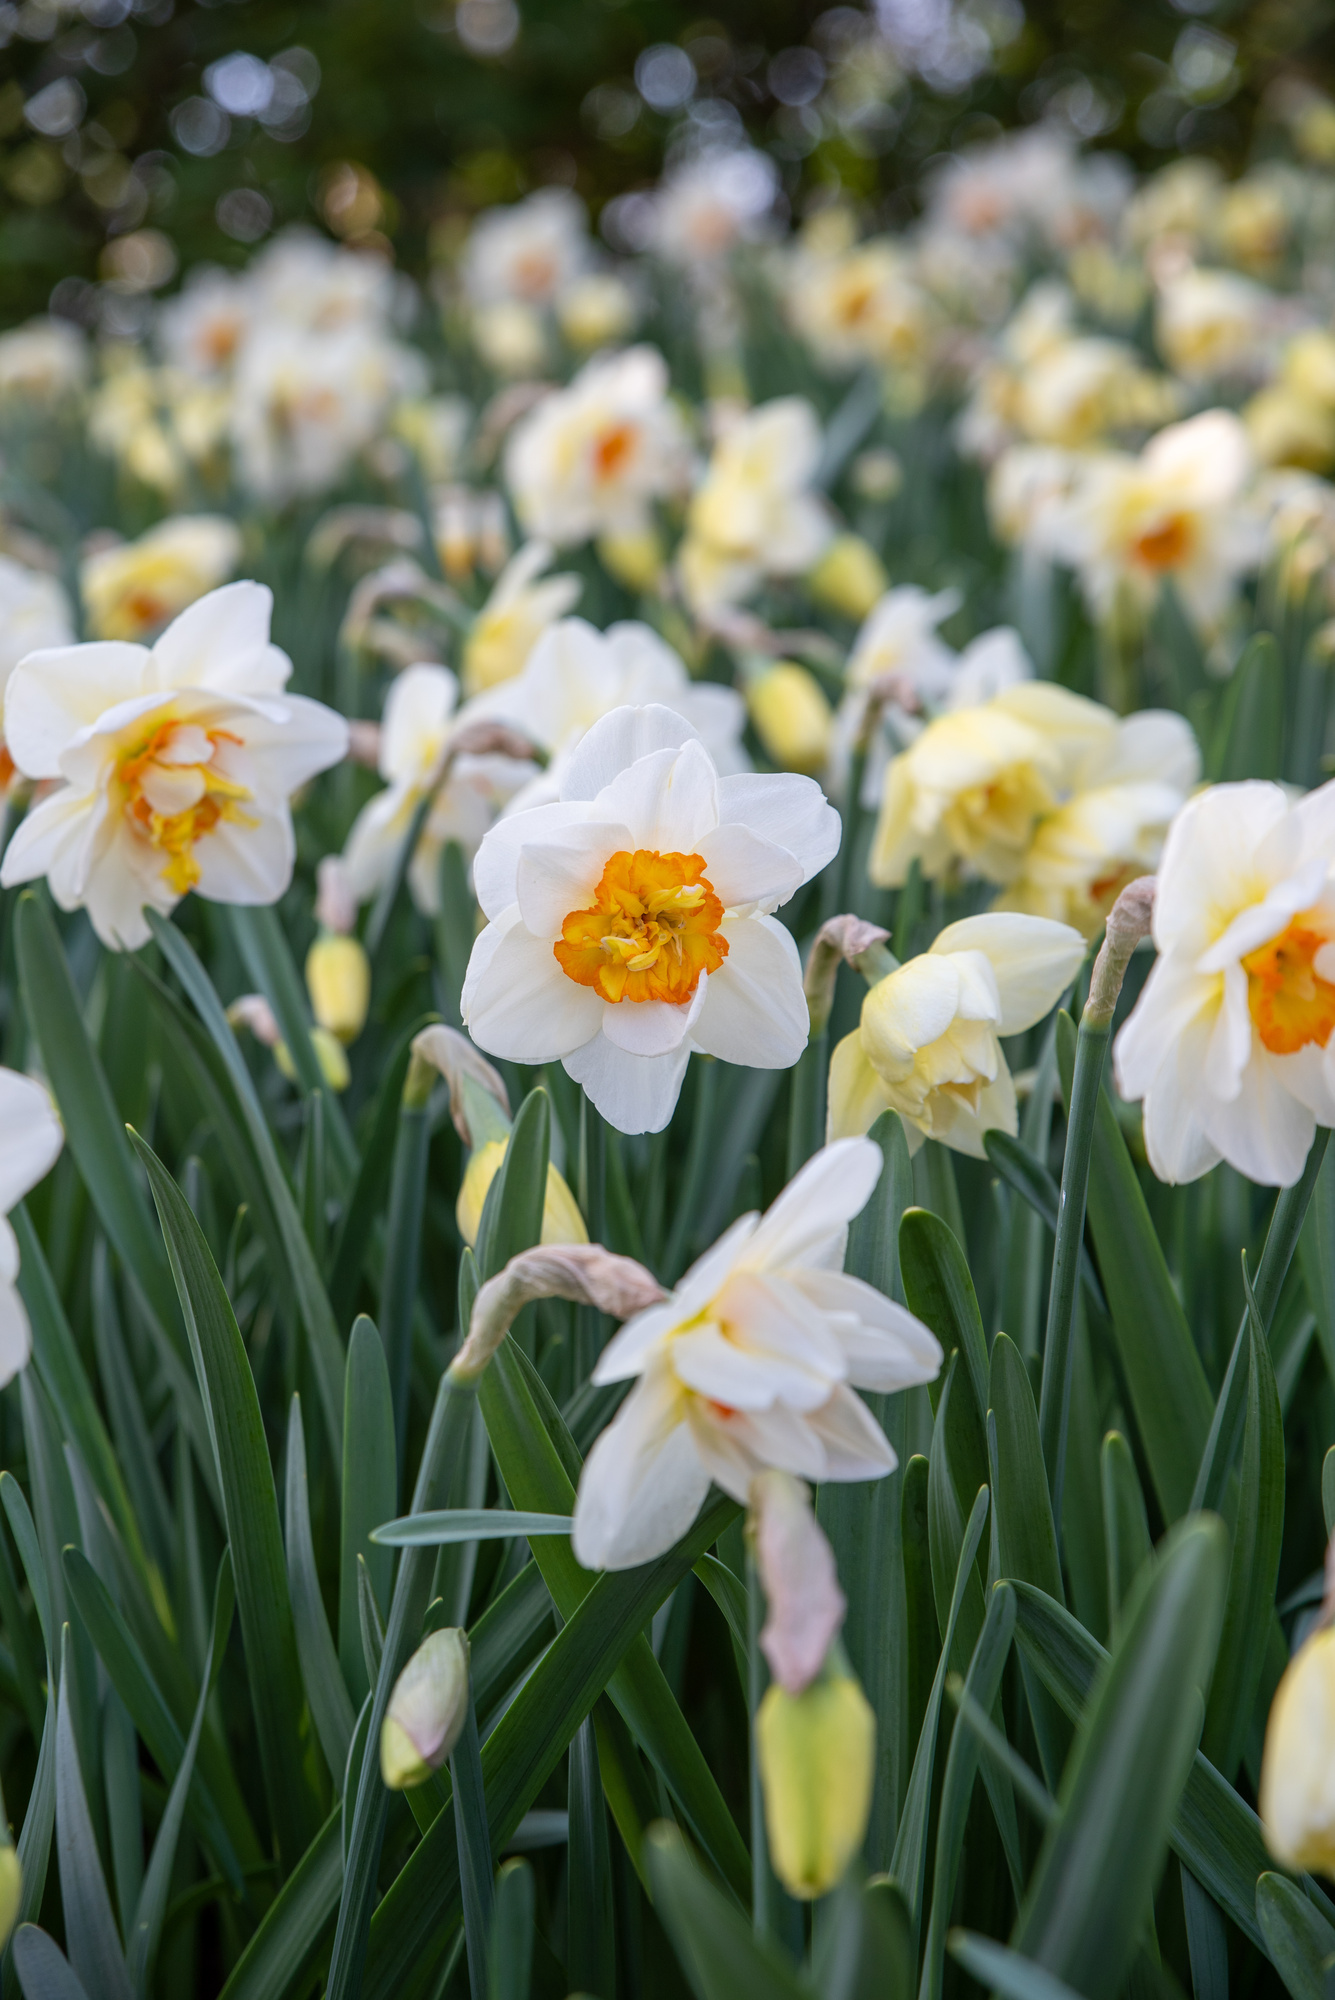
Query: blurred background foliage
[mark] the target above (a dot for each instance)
(140, 136)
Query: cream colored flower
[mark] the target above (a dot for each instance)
(528, 253)
(630, 921)
(515, 616)
(750, 1363)
(305, 403)
(132, 590)
(861, 304)
(709, 205)
(30, 1140)
(756, 513)
(593, 458)
(1180, 510)
(1230, 1043)
(177, 765)
(1211, 324)
(42, 361)
(201, 330)
(596, 310)
(34, 612)
(929, 1041)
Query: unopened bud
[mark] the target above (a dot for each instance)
(585, 1273)
(11, 1890)
(848, 940)
(561, 1219)
(328, 1053)
(469, 1076)
(335, 899)
(1129, 920)
(796, 1563)
(338, 979)
(817, 1758)
(635, 559)
(849, 577)
(792, 717)
(426, 1710)
(252, 1011)
(1297, 1794)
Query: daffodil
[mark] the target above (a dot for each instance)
(521, 607)
(1297, 1792)
(630, 920)
(592, 458)
(175, 765)
(928, 1044)
(1230, 1044)
(756, 513)
(525, 254)
(752, 1362)
(30, 1139)
(34, 613)
(130, 591)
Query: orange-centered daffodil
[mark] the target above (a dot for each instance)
(1289, 1000)
(175, 794)
(649, 933)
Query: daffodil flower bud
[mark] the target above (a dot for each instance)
(849, 577)
(793, 719)
(817, 1761)
(561, 1219)
(426, 1710)
(11, 1890)
(338, 979)
(1297, 1791)
(796, 1565)
(635, 559)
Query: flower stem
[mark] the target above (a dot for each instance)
(763, 1884)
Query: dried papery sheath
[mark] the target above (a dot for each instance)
(582, 1272)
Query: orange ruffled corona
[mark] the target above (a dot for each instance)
(1290, 1002)
(175, 795)
(649, 933)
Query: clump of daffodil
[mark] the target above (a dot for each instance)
(426, 1711)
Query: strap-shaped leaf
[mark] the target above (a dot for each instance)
(370, 1486)
(719, 1952)
(467, 1524)
(1298, 1938)
(43, 1969)
(250, 1506)
(940, 1291)
(90, 1927)
(331, 1704)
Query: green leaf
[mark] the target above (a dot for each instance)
(271, 968)
(511, 1960)
(34, 1843)
(317, 1317)
(1248, 739)
(1022, 1518)
(147, 1929)
(922, 1634)
(331, 1705)
(1258, 1531)
(403, 1248)
(938, 1288)
(474, 1843)
(24, 1530)
(1125, 1526)
(283, 1949)
(1028, 1177)
(368, 1191)
(466, 1524)
(1207, 1940)
(250, 1506)
(982, 1685)
(866, 1951)
(90, 1927)
(370, 1492)
(719, 1954)
(956, 1471)
(1328, 1491)
(908, 1865)
(1170, 1396)
(1083, 1097)
(512, 1212)
(1003, 1971)
(1297, 1936)
(43, 1969)
(590, 1949)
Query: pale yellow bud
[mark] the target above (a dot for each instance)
(11, 1890)
(793, 719)
(426, 1710)
(338, 979)
(1314, 131)
(849, 577)
(817, 1759)
(1309, 367)
(561, 1219)
(1288, 429)
(1297, 1795)
(596, 310)
(329, 1054)
(635, 559)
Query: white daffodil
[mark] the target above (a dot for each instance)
(30, 1139)
(1230, 1043)
(859, 303)
(202, 328)
(177, 763)
(305, 403)
(752, 1362)
(928, 1043)
(1123, 794)
(629, 922)
(527, 253)
(1211, 324)
(34, 612)
(756, 515)
(43, 361)
(575, 675)
(970, 790)
(592, 458)
(131, 590)
(520, 609)
(708, 205)
(419, 720)
(1179, 510)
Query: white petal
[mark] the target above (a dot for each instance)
(496, 863)
(885, 1346)
(634, 1093)
(716, 1367)
(52, 695)
(1210, 851)
(642, 1484)
(791, 812)
(249, 865)
(617, 741)
(668, 800)
(221, 642)
(1264, 1131)
(377, 833)
(30, 1137)
(631, 1346)
(522, 1006)
(416, 716)
(854, 1444)
(755, 1012)
(807, 1227)
(747, 871)
(1034, 961)
(857, 1096)
(1170, 1001)
(652, 1027)
(559, 875)
(1177, 1137)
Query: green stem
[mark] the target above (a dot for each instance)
(806, 1102)
(1055, 1400)
(403, 1240)
(763, 1910)
(446, 1438)
(475, 1862)
(698, 1162)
